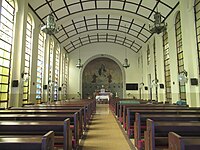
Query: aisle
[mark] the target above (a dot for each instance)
(104, 132)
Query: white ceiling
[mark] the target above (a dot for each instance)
(82, 22)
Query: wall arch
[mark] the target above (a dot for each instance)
(113, 85)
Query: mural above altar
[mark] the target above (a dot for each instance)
(102, 71)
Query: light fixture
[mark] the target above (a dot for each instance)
(126, 64)
(50, 26)
(182, 77)
(79, 65)
(25, 76)
(155, 82)
(141, 85)
(158, 26)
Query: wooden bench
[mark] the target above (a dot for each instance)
(156, 134)
(140, 123)
(130, 118)
(45, 142)
(137, 103)
(49, 112)
(123, 108)
(177, 142)
(88, 107)
(52, 117)
(90, 104)
(70, 110)
(124, 111)
(63, 135)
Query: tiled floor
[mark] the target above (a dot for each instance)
(104, 133)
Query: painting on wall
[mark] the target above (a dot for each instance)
(102, 72)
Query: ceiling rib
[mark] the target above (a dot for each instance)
(69, 33)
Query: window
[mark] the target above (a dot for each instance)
(155, 67)
(180, 62)
(50, 82)
(148, 55)
(65, 75)
(56, 73)
(40, 65)
(167, 67)
(28, 51)
(6, 40)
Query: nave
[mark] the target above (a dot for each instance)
(104, 132)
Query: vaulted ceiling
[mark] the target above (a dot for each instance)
(82, 22)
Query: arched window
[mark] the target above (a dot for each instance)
(180, 61)
(28, 52)
(167, 67)
(6, 40)
(40, 65)
(197, 22)
(57, 73)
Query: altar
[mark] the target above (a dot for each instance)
(103, 97)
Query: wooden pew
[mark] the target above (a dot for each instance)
(88, 106)
(52, 117)
(79, 110)
(49, 112)
(84, 110)
(124, 111)
(156, 134)
(140, 122)
(137, 103)
(177, 142)
(45, 142)
(63, 135)
(131, 115)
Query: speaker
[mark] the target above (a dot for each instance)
(161, 86)
(44, 87)
(15, 83)
(194, 81)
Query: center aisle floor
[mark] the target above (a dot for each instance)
(104, 133)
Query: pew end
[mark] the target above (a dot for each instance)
(28, 142)
(174, 141)
(177, 142)
(67, 135)
(48, 141)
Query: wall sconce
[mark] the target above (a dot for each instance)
(25, 76)
(182, 77)
(155, 82)
(141, 85)
(50, 83)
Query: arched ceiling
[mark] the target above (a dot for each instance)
(82, 22)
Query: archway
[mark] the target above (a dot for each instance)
(102, 71)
